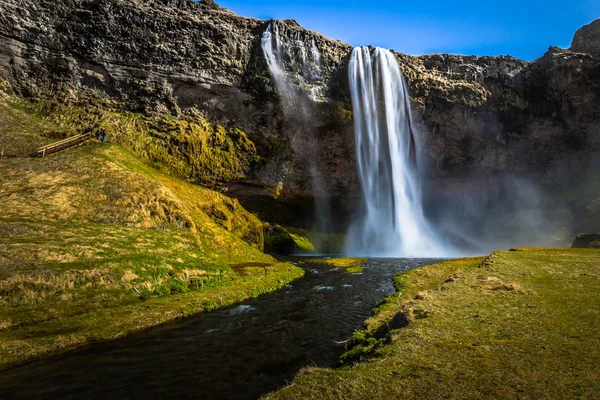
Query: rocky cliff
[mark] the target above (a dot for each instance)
(478, 115)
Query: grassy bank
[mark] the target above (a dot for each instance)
(95, 244)
(520, 324)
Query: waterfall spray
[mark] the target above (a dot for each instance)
(272, 56)
(393, 223)
(297, 74)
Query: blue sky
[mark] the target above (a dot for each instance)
(524, 29)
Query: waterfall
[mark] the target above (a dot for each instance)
(271, 57)
(287, 55)
(297, 73)
(393, 223)
(316, 56)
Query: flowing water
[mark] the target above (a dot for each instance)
(236, 353)
(295, 67)
(393, 223)
(294, 62)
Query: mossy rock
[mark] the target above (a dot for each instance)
(286, 241)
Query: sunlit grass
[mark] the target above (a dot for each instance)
(95, 244)
(520, 324)
(352, 265)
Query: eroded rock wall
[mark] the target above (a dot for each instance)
(479, 116)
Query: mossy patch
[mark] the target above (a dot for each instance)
(345, 262)
(352, 265)
(187, 146)
(355, 270)
(286, 241)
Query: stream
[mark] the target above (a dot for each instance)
(240, 352)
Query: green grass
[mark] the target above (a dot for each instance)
(95, 244)
(520, 324)
(184, 146)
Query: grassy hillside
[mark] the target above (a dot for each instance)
(521, 324)
(184, 146)
(95, 244)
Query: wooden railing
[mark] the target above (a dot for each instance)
(62, 145)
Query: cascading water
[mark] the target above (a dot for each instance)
(291, 64)
(393, 223)
(316, 56)
(269, 50)
(297, 72)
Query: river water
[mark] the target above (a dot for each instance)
(240, 352)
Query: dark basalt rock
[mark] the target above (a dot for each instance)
(587, 241)
(181, 4)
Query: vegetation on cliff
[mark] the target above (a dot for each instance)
(516, 324)
(95, 244)
(186, 146)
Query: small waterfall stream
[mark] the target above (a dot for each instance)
(393, 223)
(295, 66)
(294, 61)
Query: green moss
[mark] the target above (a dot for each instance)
(353, 265)
(355, 270)
(187, 147)
(304, 244)
(286, 241)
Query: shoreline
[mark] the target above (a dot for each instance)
(20, 345)
(452, 326)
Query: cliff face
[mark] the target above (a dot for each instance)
(587, 39)
(479, 115)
